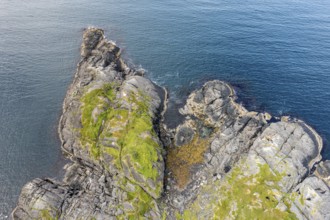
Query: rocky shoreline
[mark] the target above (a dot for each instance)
(222, 162)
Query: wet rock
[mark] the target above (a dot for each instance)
(183, 135)
(323, 171)
(91, 38)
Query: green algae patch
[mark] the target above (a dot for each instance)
(180, 160)
(119, 133)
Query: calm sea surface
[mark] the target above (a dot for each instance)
(275, 52)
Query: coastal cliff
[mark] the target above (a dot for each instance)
(222, 162)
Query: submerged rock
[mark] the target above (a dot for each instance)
(222, 162)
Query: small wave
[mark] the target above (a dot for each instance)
(3, 216)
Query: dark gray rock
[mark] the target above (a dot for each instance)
(323, 171)
(183, 135)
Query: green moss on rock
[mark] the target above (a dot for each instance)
(138, 203)
(140, 152)
(242, 195)
(46, 215)
(98, 99)
(252, 196)
(130, 131)
(123, 137)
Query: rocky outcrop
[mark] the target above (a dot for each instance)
(254, 167)
(109, 131)
(222, 162)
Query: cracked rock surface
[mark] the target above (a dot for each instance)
(222, 162)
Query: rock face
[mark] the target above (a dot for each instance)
(222, 162)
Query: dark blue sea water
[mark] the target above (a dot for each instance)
(276, 52)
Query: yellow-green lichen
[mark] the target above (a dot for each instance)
(164, 215)
(187, 214)
(46, 215)
(301, 200)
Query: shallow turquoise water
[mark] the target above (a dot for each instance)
(276, 53)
